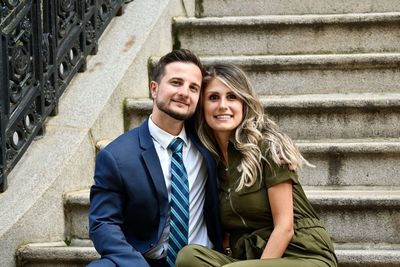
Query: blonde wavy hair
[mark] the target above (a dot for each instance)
(255, 130)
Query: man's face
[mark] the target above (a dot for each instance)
(178, 91)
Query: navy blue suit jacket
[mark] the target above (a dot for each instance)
(129, 201)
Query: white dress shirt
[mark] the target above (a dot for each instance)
(197, 175)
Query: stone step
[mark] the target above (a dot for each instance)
(319, 74)
(350, 213)
(212, 8)
(76, 206)
(322, 116)
(290, 34)
(317, 116)
(353, 162)
(368, 255)
(358, 214)
(57, 254)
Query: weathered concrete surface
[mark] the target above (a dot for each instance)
(76, 206)
(352, 162)
(319, 74)
(290, 34)
(212, 8)
(56, 254)
(352, 214)
(349, 255)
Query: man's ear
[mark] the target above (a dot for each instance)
(153, 88)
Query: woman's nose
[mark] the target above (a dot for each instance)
(222, 103)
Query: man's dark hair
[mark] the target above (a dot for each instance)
(180, 55)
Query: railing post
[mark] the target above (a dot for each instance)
(3, 177)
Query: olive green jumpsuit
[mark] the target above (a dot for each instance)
(246, 216)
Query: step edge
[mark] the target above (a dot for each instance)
(306, 19)
(350, 100)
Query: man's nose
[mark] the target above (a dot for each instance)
(184, 90)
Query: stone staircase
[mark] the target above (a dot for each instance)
(328, 73)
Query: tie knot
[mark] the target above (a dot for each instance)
(176, 145)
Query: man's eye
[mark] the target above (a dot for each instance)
(194, 89)
(175, 82)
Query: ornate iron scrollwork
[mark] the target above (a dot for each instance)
(67, 18)
(11, 3)
(106, 10)
(44, 43)
(21, 62)
(6, 6)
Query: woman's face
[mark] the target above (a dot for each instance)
(223, 109)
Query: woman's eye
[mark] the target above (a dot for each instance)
(232, 96)
(213, 97)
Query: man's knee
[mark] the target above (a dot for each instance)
(102, 263)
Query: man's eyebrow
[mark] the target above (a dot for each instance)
(176, 78)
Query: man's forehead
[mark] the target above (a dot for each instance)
(183, 70)
(182, 66)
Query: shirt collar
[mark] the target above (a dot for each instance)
(164, 138)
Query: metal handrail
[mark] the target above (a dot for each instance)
(43, 44)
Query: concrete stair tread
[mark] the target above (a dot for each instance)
(370, 100)
(342, 60)
(57, 251)
(287, 19)
(333, 100)
(309, 61)
(368, 254)
(354, 195)
(275, 34)
(77, 198)
(229, 7)
(352, 145)
(85, 252)
(303, 73)
(322, 194)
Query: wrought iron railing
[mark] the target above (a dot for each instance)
(43, 44)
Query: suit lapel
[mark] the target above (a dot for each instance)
(152, 162)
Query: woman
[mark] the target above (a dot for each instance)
(265, 214)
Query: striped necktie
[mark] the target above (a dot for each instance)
(179, 205)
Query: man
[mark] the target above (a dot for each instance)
(132, 216)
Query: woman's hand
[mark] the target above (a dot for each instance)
(281, 201)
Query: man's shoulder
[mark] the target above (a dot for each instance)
(129, 139)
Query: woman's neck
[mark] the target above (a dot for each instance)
(223, 142)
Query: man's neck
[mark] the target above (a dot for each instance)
(168, 124)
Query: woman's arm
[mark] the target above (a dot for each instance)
(281, 202)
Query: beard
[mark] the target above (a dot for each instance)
(163, 106)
